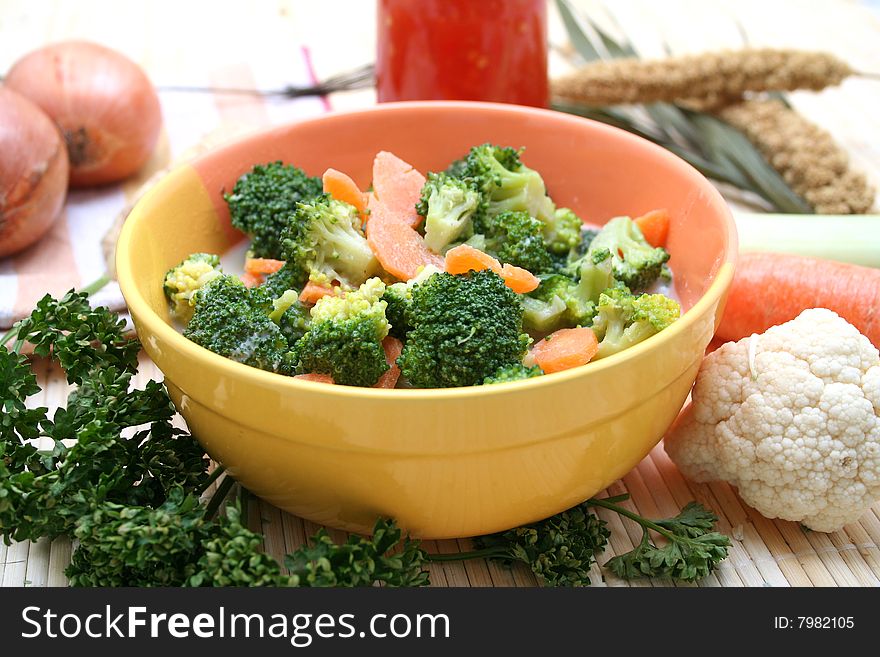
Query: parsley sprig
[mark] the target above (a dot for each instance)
(692, 551)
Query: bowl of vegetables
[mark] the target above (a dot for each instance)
(492, 314)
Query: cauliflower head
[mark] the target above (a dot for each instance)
(792, 419)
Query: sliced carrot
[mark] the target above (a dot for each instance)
(393, 348)
(773, 288)
(343, 188)
(654, 226)
(250, 279)
(565, 348)
(262, 265)
(398, 185)
(464, 258)
(316, 377)
(391, 235)
(312, 292)
(518, 279)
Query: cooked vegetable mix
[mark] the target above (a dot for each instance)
(466, 268)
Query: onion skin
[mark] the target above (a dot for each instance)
(104, 104)
(33, 173)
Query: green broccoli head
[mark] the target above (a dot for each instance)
(448, 205)
(324, 241)
(636, 263)
(262, 201)
(457, 167)
(513, 372)
(344, 338)
(563, 302)
(398, 296)
(463, 328)
(515, 238)
(506, 183)
(184, 280)
(563, 232)
(291, 316)
(289, 277)
(229, 320)
(623, 319)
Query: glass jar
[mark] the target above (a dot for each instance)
(490, 50)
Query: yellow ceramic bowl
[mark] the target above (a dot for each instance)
(453, 462)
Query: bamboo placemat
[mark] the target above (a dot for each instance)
(764, 553)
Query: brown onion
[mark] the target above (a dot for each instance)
(33, 172)
(105, 105)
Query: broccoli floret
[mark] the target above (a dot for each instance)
(229, 320)
(563, 232)
(345, 337)
(287, 278)
(291, 316)
(561, 302)
(515, 238)
(507, 184)
(398, 296)
(464, 327)
(513, 372)
(623, 319)
(324, 241)
(457, 167)
(264, 198)
(448, 205)
(636, 263)
(184, 280)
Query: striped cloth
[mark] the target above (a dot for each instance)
(75, 252)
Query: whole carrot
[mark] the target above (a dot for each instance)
(772, 288)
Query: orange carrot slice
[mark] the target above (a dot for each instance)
(262, 265)
(343, 188)
(654, 226)
(314, 376)
(464, 258)
(312, 292)
(518, 279)
(564, 349)
(398, 185)
(390, 231)
(393, 347)
(250, 279)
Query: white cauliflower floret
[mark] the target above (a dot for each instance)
(792, 419)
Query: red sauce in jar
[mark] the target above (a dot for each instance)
(491, 50)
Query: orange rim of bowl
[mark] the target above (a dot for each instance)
(145, 315)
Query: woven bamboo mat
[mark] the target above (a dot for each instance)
(764, 553)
